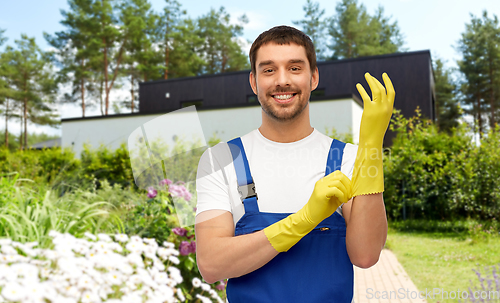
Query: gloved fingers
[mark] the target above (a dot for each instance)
(391, 94)
(338, 184)
(347, 184)
(381, 89)
(364, 95)
(336, 192)
(374, 87)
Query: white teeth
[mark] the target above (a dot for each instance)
(283, 97)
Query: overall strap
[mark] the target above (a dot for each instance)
(334, 160)
(246, 186)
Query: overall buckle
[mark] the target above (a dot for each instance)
(247, 191)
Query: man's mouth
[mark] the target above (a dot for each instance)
(284, 97)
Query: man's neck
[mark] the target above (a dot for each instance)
(286, 132)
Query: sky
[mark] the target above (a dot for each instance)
(434, 25)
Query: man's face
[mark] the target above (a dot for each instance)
(283, 81)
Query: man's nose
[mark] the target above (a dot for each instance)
(282, 78)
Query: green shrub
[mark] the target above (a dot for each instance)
(436, 175)
(49, 165)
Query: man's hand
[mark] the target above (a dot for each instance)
(368, 175)
(329, 193)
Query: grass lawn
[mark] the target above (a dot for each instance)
(444, 259)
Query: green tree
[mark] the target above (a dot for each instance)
(313, 25)
(2, 38)
(34, 86)
(6, 91)
(354, 33)
(221, 50)
(141, 59)
(76, 56)
(447, 104)
(185, 58)
(480, 63)
(168, 26)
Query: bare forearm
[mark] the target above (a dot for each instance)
(225, 256)
(366, 230)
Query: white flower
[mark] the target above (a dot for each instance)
(62, 299)
(85, 282)
(174, 260)
(90, 297)
(121, 237)
(54, 233)
(136, 239)
(135, 259)
(125, 268)
(205, 286)
(104, 237)
(168, 244)
(12, 291)
(132, 298)
(135, 247)
(151, 241)
(180, 295)
(9, 250)
(160, 278)
(213, 293)
(25, 270)
(34, 291)
(175, 274)
(104, 292)
(196, 282)
(90, 236)
(5, 241)
(114, 278)
(203, 299)
(64, 250)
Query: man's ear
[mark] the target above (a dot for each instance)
(253, 83)
(315, 79)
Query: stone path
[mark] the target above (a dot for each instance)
(385, 282)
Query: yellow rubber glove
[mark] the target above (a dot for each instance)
(368, 173)
(328, 194)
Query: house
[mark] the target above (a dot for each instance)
(227, 108)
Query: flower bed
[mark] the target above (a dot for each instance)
(96, 269)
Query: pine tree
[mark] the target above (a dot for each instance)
(313, 25)
(354, 33)
(480, 63)
(76, 56)
(448, 110)
(221, 50)
(30, 73)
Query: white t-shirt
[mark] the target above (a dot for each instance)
(284, 173)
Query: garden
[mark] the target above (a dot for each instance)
(80, 230)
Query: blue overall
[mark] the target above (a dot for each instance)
(316, 269)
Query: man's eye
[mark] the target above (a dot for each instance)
(295, 69)
(268, 70)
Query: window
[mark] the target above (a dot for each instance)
(252, 99)
(318, 93)
(197, 103)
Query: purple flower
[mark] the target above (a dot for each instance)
(179, 191)
(185, 248)
(165, 182)
(180, 231)
(152, 192)
(220, 286)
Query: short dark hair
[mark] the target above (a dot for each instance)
(283, 35)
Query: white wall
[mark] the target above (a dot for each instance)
(344, 115)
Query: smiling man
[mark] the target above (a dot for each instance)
(280, 222)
